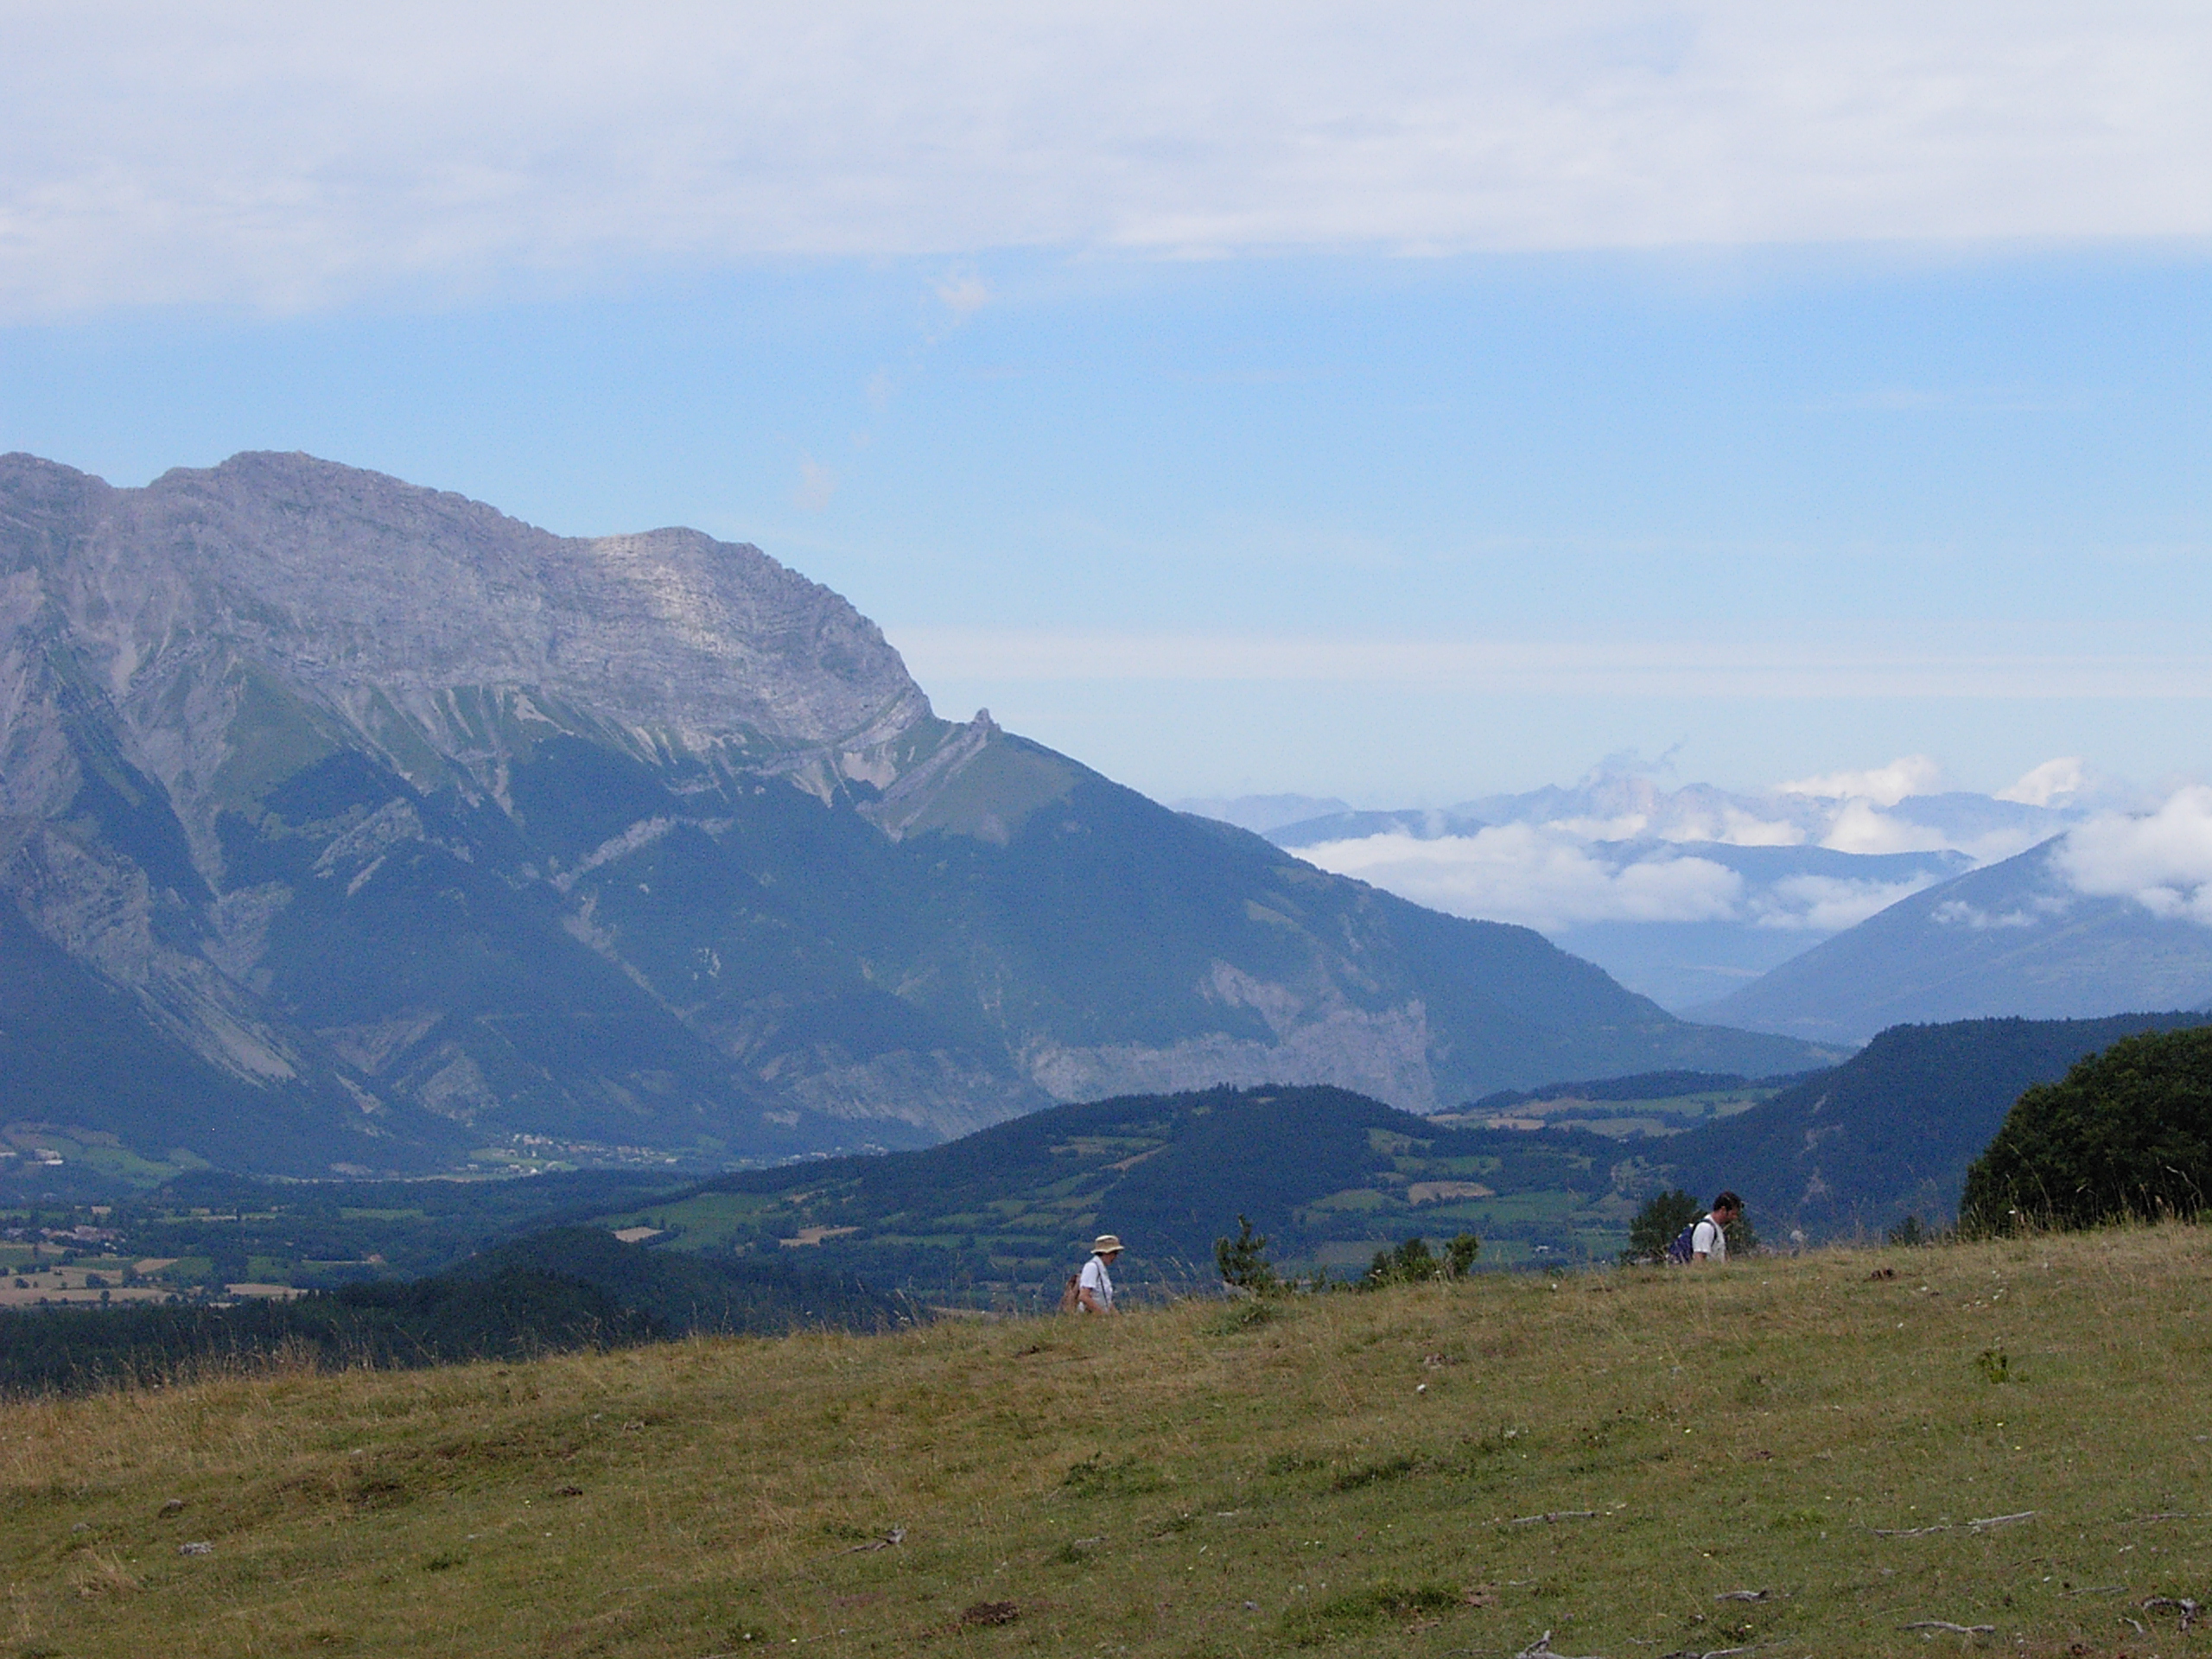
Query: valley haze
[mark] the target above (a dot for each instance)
(1829, 907)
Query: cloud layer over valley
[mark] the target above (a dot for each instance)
(1686, 892)
(1543, 879)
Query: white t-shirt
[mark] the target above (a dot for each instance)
(1709, 1241)
(1098, 1283)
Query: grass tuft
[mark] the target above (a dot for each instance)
(1248, 1313)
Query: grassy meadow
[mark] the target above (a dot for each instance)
(1789, 1456)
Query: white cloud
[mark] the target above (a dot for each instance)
(1829, 904)
(2050, 783)
(1857, 827)
(1731, 826)
(1518, 873)
(244, 152)
(1543, 877)
(963, 293)
(1958, 912)
(1913, 775)
(816, 484)
(1741, 828)
(2162, 860)
(1627, 827)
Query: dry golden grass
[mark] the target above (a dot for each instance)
(1350, 1476)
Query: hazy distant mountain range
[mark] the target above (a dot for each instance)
(1832, 907)
(2017, 938)
(347, 824)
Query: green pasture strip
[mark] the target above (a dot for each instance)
(1791, 1455)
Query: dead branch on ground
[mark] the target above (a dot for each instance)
(896, 1535)
(2185, 1605)
(1542, 1649)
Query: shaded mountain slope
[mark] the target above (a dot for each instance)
(2013, 938)
(76, 1050)
(438, 835)
(1891, 1130)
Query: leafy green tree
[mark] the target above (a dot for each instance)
(1244, 1260)
(2128, 1132)
(1910, 1232)
(1658, 1222)
(1459, 1255)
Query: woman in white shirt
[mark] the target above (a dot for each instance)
(1094, 1291)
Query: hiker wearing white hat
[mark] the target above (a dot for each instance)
(1094, 1290)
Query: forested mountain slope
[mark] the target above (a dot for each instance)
(1890, 1131)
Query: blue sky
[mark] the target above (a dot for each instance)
(1402, 414)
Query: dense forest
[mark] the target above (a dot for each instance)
(562, 1289)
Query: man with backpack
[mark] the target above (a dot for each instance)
(1707, 1238)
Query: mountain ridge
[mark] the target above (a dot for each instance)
(2011, 938)
(458, 837)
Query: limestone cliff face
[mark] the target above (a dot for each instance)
(407, 614)
(443, 831)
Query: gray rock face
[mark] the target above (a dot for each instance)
(447, 833)
(386, 606)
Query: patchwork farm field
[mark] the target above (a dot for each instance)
(1988, 1447)
(997, 1220)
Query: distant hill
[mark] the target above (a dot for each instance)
(349, 827)
(2013, 938)
(1263, 813)
(1328, 1174)
(1891, 1130)
(1641, 1086)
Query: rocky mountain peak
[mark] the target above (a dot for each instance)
(349, 581)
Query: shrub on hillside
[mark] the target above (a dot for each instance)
(2128, 1132)
(1244, 1262)
(1657, 1224)
(1413, 1263)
